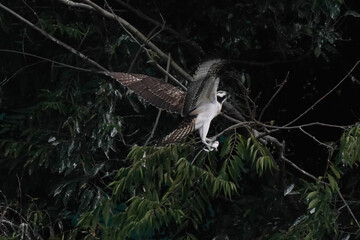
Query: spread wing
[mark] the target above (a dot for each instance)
(185, 128)
(158, 93)
(204, 86)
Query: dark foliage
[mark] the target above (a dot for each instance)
(73, 164)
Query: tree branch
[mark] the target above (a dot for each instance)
(159, 111)
(273, 96)
(315, 139)
(127, 26)
(47, 59)
(57, 41)
(322, 98)
(282, 151)
(237, 125)
(137, 33)
(140, 14)
(75, 4)
(349, 209)
(276, 128)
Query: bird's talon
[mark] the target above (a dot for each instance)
(211, 146)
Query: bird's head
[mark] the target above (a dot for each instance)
(222, 96)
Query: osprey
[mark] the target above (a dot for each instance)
(199, 104)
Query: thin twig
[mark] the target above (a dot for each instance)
(2, 216)
(154, 127)
(276, 128)
(303, 171)
(252, 111)
(132, 30)
(140, 14)
(262, 64)
(176, 67)
(137, 54)
(273, 96)
(315, 139)
(282, 152)
(173, 79)
(237, 125)
(324, 96)
(47, 59)
(75, 4)
(159, 111)
(232, 111)
(306, 125)
(229, 118)
(57, 41)
(348, 208)
(137, 33)
(7, 79)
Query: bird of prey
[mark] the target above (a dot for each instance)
(199, 104)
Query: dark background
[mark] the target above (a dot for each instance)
(315, 42)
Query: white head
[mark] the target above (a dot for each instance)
(222, 96)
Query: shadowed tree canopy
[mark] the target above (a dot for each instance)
(78, 153)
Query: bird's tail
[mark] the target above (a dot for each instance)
(186, 127)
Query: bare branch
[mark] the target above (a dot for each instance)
(302, 170)
(57, 41)
(233, 112)
(276, 128)
(140, 14)
(132, 30)
(152, 60)
(323, 97)
(139, 51)
(7, 79)
(237, 125)
(315, 139)
(137, 33)
(75, 4)
(262, 64)
(349, 209)
(165, 72)
(273, 96)
(47, 59)
(282, 157)
(159, 111)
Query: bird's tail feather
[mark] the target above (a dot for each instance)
(186, 127)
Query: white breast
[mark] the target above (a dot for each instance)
(205, 113)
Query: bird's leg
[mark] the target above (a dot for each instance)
(211, 145)
(210, 140)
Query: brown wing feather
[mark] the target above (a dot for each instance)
(185, 128)
(158, 93)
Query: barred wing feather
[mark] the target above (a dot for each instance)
(158, 93)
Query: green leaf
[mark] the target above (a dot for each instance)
(106, 212)
(317, 51)
(335, 171)
(190, 236)
(311, 195)
(313, 203)
(216, 186)
(333, 184)
(226, 147)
